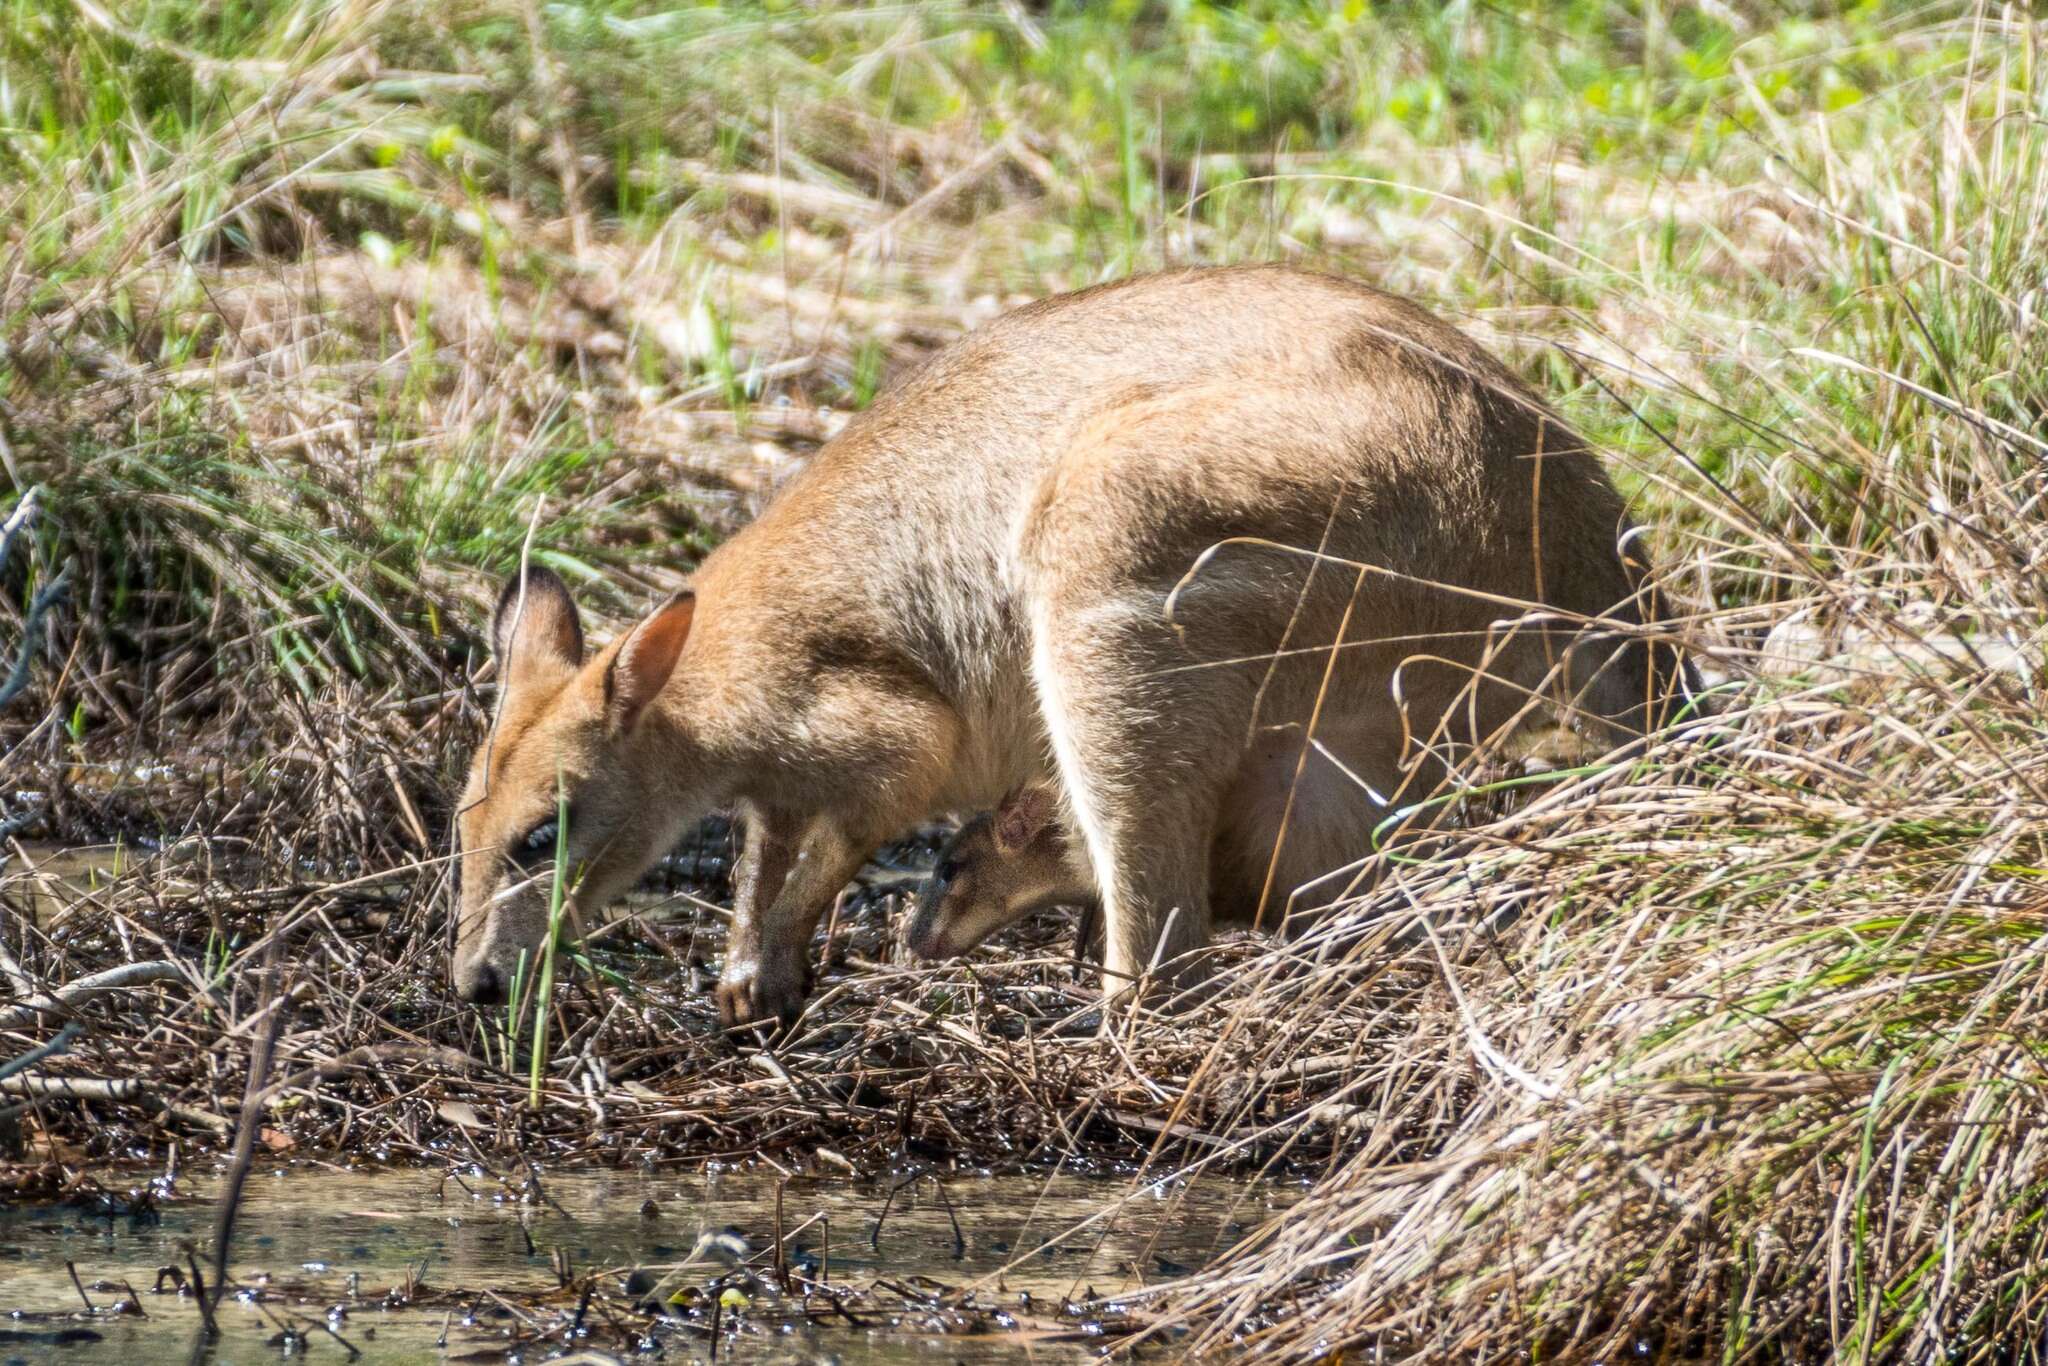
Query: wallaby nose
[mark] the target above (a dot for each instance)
(485, 987)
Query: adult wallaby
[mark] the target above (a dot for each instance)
(1107, 539)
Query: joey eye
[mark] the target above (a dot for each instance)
(947, 870)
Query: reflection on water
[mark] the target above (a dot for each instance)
(315, 1233)
(46, 879)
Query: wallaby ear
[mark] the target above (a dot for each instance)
(643, 664)
(536, 619)
(1023, 817)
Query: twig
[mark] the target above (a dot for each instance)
(65, 1038)
(72, 995)
(17, 979)
(77, 1088)
(209, 1330)
(959, 1239)
(245, 1135)
(23, 517)
(39, 607)
(121, 1091)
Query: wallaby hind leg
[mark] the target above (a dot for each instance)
(1137, 761)
(1297, 824)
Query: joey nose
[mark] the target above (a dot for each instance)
(926, 939)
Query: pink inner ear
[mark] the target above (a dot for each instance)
(1022, 816)
(648, 658)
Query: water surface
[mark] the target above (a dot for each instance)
(311, 1238)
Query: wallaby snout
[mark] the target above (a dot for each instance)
(480, 983)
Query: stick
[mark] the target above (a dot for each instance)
(16, 978)
(209, 1330)
(22, 519)
(24, 514)
(76, 1088)
(65, 1038)
(121, 1091)
(781, 1263)
(63, 1000)
(245, 1136)
(39, 607)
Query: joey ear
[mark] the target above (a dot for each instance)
(644, 662)
(536, 618)
(1023, 817)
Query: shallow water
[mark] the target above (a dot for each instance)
(49, 878)
(308, 1234)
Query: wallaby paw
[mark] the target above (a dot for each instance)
(769, 989)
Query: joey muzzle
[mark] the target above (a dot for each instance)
(927, 936)
(481, 984)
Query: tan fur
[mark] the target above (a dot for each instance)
(1072, 546)
(1291, 834)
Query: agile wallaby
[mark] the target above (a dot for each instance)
(1105, 540)
(1289, 837)
(1001, 866)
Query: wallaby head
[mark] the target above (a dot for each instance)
(1000, 867)
(573, 735)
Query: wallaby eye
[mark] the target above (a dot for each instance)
(947, 869)
(539, 841)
